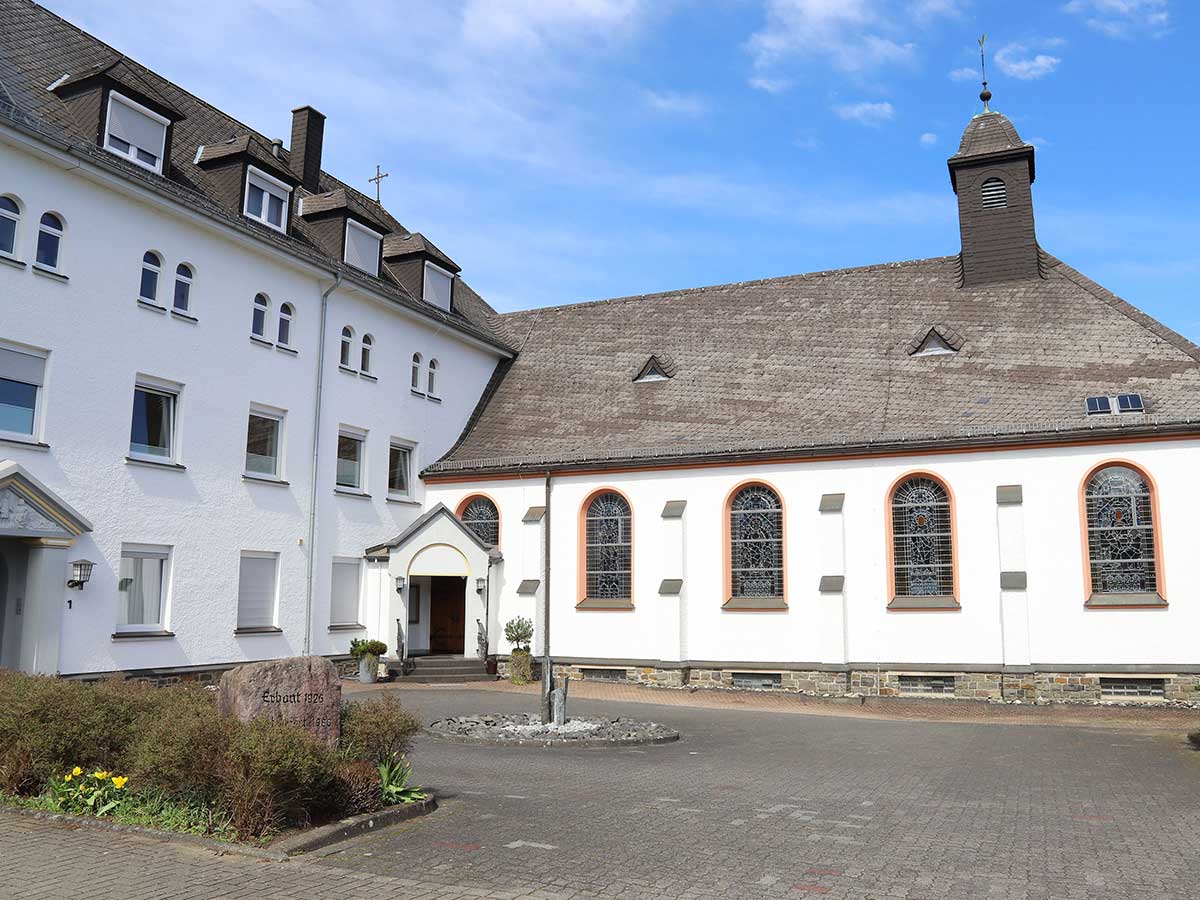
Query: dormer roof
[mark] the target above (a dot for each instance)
(399, 246)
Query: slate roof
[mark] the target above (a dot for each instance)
(820, 364)
(989, 132)
(408, 244)
(38, 48)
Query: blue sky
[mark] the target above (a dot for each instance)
(566, 150)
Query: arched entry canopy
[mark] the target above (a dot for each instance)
(443, 568)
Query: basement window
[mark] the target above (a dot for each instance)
(927, 684)
(1133, 688)
(761, 680)
(603, 674)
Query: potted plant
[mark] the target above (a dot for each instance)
(367, 652)
(519, 632)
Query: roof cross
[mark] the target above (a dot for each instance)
(379, 176)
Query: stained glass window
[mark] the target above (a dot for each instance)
(922, 546)
(609, 545)
(1120, 526)
(756, 543)
(482, 517)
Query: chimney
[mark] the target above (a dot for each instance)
(308, 133)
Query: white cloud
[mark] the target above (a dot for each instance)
(965, 73)
(536, 23)
(928, 139)
(1019, 60)
(674, 103)
(866, 113)
(1123, 18)
(769, 85)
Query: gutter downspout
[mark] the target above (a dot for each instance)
(547, 666)
(316, 457)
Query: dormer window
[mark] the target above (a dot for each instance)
(135, 132)
(362, 247)
(267, 199)
(439, 285)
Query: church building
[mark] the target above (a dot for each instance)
(246, 413)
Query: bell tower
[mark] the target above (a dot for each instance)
(992, 173)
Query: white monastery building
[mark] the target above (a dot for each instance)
(247, 414)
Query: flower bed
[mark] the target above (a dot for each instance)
(163, 758)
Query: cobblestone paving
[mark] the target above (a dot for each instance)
(749, 804)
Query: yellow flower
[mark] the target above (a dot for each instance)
(77, 771)
(100, 776)
(67, 777)
(119, 781)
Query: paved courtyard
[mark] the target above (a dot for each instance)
(750, 804)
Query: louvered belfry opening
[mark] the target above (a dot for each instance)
(992, 173)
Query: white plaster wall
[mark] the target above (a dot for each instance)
(100, 339)
(1061, 630)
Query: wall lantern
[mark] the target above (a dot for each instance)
(81, 573)
(480, 585)
(399, 584)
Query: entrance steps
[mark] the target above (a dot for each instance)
(441, 670)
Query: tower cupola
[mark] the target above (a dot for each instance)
(992, 173)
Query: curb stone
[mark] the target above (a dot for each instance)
(323, 836)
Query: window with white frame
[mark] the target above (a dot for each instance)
(365, 355)
(347, 349)
(431, 380)
(344, 592)
(362, 247)
(49, 242)
(135, 132)
(284, 337)
(267, 199)
(142, 587)
(152, 432)
(350, 459)
(400, 469)
(439, 286)
(151, 269)
(264, 438)
(183, 288)
(22, 374)
(10, 218)
(416, 373)
(258, 319)
(258, 575)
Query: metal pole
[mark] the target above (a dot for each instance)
(547, 665)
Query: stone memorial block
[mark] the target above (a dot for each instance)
(303, 690)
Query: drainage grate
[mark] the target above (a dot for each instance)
(603, 674)
(1117, 688)
(926, 684)
(757, 679)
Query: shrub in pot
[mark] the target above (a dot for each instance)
(519, 632)
(367, 653)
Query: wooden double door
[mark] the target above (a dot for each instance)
(447, 615)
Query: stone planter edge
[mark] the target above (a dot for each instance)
(325, 835)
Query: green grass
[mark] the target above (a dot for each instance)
(148, 810)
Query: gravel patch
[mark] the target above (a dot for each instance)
(528, 729)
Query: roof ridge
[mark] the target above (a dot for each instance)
(678, 292)
(1123, 306)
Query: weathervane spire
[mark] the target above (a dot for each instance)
(985, 95)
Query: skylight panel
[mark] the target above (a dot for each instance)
(1130, 403)
(1099, 406)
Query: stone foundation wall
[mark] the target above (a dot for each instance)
(814, 682)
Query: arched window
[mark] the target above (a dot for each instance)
(922, 540)
(10, 217)
(756, 543)
(347, 346)
(183, 288)
(416, 372)
(608, 548)
(481, 516)
(365, 355)
(151, 269)
(258, 323)
(284, 338)
(994, 193)
(1119, 508)
(431, 379)
(49, 244)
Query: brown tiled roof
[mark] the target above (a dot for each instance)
(38, 48)
(395, 245)
(821, 363)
